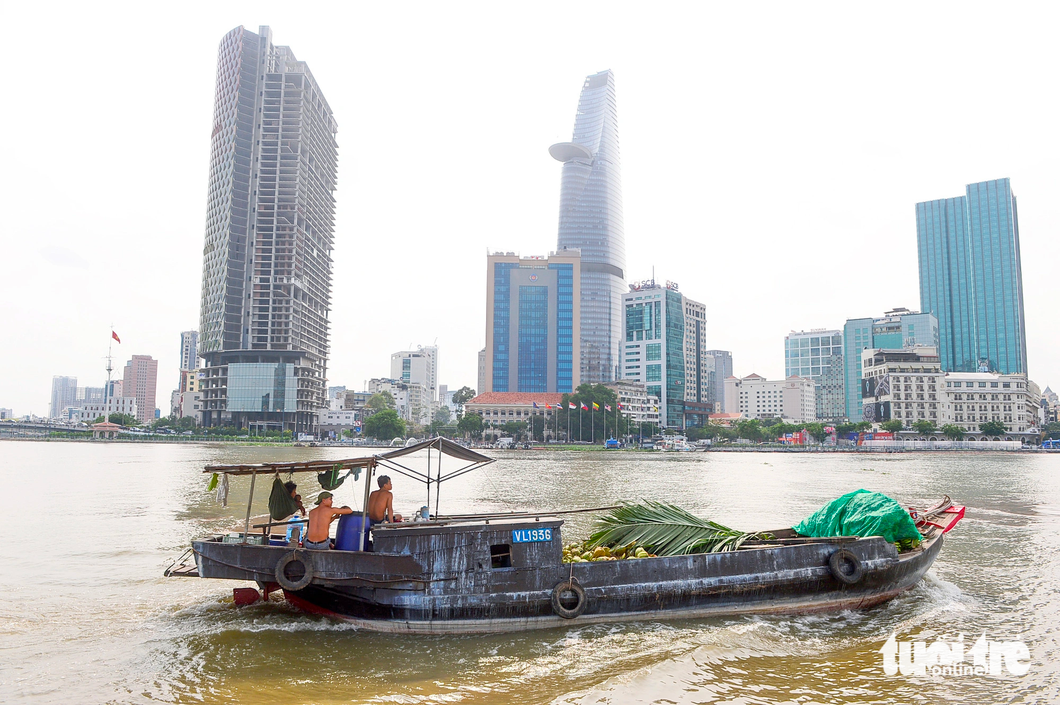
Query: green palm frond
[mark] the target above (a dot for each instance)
(665, 530)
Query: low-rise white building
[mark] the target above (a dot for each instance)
(973, 398)
(792, 399)
(498, 408)
(120, 405)
(335, 421)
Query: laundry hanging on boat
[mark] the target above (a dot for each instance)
(219, 484)
(330, 479)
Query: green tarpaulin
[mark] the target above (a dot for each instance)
(861, 513)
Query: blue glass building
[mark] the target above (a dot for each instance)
(970, 278)
(897, 329)
(531, 323)
(590, 220)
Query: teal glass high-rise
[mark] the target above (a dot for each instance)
(971, 278)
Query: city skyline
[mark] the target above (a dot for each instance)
(711, 175)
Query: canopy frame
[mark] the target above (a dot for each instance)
(442, 446)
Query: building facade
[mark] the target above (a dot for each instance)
(115, 405)
(756, 397)
(64, 395)
(896, 329)
(699, 367)
(974, 398)
(664, 349)
(189, 350)
(971, 278)
(818, 355)
(721, 371)
(418, 366)
(904, 384)
(499, 408)
(481, 379)
(532, 323)
(590, 220)
(334, 422)
(266, 285)
(637, 405)
(140, 381)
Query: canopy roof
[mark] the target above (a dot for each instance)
(443, 446)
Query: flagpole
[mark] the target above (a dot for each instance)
(580, 429)
(110, 368)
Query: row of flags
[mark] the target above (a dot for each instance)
(596, 407)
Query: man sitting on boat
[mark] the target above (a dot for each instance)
(320, 520)
(381, 502)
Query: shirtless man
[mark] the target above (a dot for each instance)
(381, 502)
(320, 520)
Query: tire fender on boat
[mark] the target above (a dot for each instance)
(281, 568)
(835, 565)
(565, 587)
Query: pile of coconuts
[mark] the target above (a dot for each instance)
(582, 553)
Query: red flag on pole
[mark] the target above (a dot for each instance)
(115, 336)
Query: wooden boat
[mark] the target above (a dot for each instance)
(498, 573)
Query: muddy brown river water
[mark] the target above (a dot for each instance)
(87, 617)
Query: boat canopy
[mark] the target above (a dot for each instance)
(442, 445)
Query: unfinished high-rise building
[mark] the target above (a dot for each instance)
(266, 276)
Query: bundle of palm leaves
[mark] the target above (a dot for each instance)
(666, 530)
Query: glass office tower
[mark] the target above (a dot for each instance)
(970, 277)
(590, 220)
(818, 355)
(531, 321)
(266, 272)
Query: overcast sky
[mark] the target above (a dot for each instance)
(772, 156)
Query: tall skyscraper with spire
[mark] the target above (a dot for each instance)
(590, 220)
(266, 273)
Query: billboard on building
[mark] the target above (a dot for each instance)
(875, 387)
(875, 412)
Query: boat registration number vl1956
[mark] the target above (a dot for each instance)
(531, 535)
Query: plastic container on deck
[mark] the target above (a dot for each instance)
(348, 535)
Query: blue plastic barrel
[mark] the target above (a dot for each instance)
(348, 535)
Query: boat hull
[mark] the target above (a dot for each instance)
(405, 593)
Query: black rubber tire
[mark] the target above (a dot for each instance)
(281, 575)
(835, 564)
(557, 605)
